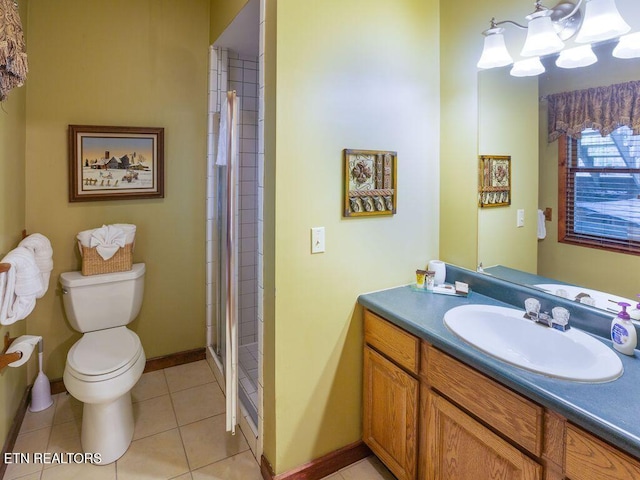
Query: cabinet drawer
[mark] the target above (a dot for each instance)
(589, 458)
(398, 345)
(512, 415)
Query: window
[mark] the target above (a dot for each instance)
(599, 190)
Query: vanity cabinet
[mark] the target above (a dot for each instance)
(390, 397)
(428, 416)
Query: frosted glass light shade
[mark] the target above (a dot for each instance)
(581, 56)
(602, 21)
(542, 38)
(527, 68)
(495, 53)
(628, 46)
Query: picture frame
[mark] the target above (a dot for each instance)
(370, 183)
(494, 181)
(115, 162)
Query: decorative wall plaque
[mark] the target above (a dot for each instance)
(494, 182)
(369, 182)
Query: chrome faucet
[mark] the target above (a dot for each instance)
(559, 318)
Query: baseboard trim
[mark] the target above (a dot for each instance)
(12, 435)
(320, 467)
(153, 364)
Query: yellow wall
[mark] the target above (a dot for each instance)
(13, 381)
(349, 74)
(469, 235)
(141, 63)
(500, 132)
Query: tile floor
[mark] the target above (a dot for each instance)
(179, 434)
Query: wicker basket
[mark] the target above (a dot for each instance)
(94, 264)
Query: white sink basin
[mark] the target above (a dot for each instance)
(505, 334)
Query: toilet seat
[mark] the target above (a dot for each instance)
(103, 354)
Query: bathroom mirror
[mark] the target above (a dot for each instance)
(512, 121)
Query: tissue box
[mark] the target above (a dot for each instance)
(94, 264)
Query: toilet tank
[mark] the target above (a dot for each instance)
(96, 302)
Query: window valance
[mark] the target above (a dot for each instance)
(600, 108)
(13, 58)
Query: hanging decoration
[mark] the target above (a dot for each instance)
(13, 58)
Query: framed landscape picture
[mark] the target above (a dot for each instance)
(115, 163)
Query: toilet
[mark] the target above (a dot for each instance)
(104, 365)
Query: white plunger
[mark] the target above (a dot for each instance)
(41, 391)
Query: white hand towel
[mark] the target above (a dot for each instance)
(107, 240)
(19, 286)
(129, 231)
(542, 228)
(84, 238)
(40, 246)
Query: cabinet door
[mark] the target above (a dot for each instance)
(588, 458)
(460, 448)
(390, 414)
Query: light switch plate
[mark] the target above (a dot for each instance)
(520, 218)
(317, 239)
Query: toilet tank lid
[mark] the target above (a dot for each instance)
(76, 279)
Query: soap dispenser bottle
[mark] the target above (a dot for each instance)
(635, 313)
(623, 333)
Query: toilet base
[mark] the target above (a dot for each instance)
(107, 428)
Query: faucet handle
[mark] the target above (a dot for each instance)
(560, 318)
(532, 307)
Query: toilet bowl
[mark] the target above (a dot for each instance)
(104, 365)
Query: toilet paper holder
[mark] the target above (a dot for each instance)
(7, 358)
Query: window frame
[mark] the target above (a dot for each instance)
(566, 233)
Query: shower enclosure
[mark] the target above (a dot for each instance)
(233, 260)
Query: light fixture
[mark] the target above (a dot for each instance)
(548, 27)
(581, 56)
(542, 38)
(602, 21)
(527, 68)
(628, 46)
(495, 53)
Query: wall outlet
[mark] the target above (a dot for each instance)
(317, 239)
(520, 218)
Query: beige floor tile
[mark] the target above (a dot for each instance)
(335, 476)
(67, 409)
(80, 471)
(150, 385)
(207, 441)
(188, 375)
(65, 437)
(186, 476)
(239, 467)
(197, 403)
(36, 420)
(31, 442)
(159, 456)
(368, 469)
(153, 416)
(33, 476)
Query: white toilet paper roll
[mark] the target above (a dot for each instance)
(25, 345)
(439, 267)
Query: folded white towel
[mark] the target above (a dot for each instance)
(542, 228)
(107, 240)
(84, 238)
(19, 286)
(129, 231)
(40, 246)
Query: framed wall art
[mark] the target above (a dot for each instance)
(370, 183)
(115, 163)
(494, 184)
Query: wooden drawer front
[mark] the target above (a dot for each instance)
(395, 343)
(588, 458)
(461, 448)
(514, 416)
(390, 418)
